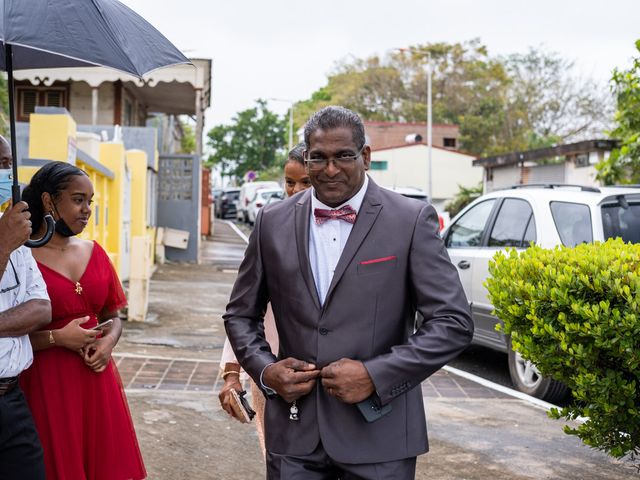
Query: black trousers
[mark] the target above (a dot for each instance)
(319, 466)
(20, 450)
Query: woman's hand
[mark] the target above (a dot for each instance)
(74, 337)
(97, 355)
(231, 382)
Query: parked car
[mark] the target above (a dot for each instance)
(215, 193)
(226, 202)
(547, 215)
(260, 199)
(247, 193)
(418, 194)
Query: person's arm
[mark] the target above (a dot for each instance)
(15, 229)
(25, 318)
(447, 328)
(71, 336)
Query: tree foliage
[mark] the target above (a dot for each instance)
(254, 140)
(623, 165)
(501, 104)
(188, 140)
(464, 197)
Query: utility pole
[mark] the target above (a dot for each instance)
(290, 102)
(429, 130)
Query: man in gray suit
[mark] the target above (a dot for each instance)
(345, 266)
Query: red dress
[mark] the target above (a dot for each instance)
(82, 417)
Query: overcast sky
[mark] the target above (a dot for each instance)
(285, 48)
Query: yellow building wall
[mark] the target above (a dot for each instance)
(112, 156)
(52, 137)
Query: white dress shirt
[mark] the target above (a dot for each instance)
(15, 352)
(327, 241)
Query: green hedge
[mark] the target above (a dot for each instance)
(575, 312)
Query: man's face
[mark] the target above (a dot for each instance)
(336, 184)
(5, 154)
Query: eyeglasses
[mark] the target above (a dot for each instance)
(319, 164)
(15, 275)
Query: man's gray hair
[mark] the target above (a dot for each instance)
(335, 117)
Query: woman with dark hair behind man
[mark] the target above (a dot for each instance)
(296, 179)
(73, 388)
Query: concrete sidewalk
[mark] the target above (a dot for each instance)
(169, 366)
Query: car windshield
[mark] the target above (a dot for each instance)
(621, 219)
(232, 195)
(271, 193)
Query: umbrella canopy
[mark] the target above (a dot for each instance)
(76, 33)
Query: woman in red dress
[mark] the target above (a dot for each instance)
(73, 387)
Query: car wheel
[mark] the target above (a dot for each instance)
(527, 379)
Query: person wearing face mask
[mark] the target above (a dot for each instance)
(24, 307)
(296, 180)
(73, 387)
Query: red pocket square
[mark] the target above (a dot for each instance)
(378, 260)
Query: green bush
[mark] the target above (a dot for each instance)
(575, 313)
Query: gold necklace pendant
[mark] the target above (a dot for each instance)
(78, 288)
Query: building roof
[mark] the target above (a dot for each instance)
(418, 124)
(389, 134)
(576, 148)
(170, 90)
(407, 145)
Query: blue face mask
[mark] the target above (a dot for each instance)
(6, 180)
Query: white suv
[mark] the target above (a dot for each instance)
(547, 215)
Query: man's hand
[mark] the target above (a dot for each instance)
(291, 378)
(15, 227)
(347, 380)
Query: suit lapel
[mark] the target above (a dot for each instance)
(367, 215)
(302, 216)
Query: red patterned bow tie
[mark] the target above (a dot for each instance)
(345, 213)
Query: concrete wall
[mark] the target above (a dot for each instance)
(179, 202)
(407, 167)
(80, 102)
(138, 138)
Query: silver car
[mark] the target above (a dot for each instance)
(547, 215)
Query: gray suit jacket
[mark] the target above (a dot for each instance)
(393, 264)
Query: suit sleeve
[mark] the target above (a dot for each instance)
(447, 328)
(244, 317)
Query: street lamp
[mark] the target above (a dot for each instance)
(429, 128)
(290, 102)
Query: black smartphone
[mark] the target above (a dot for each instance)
(371, 410)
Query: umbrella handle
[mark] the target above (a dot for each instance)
(51, 223)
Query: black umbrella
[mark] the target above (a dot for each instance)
(76, 33)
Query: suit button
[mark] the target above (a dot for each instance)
(323, 331)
